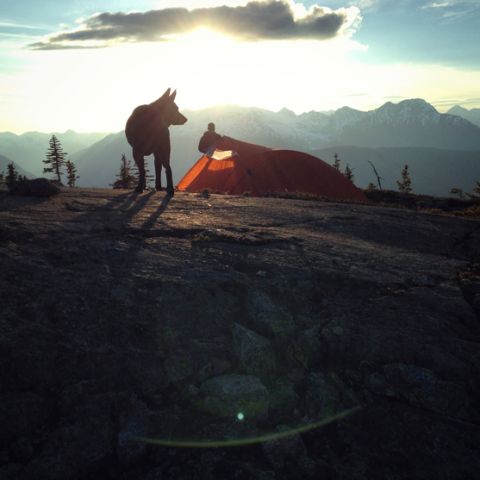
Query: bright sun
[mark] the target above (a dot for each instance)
(205, 38)
(96, 89)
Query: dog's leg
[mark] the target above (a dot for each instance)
(163, 154)
(158, 172)
(140, 161)
(168, 173)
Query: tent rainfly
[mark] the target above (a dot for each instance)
(237, 167)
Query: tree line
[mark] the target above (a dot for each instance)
(404, 184)
(128, 174)
(55, 162)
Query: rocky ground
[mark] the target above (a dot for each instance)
(220, 319)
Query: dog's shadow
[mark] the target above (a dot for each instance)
(152, 219)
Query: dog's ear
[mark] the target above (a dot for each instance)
(164, 97)
(173, 95)
(166, 94)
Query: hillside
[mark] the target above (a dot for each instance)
(4, 161)
(29, 149)
(127, 317)
(433, 171)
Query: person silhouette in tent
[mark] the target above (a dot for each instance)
(209, 139)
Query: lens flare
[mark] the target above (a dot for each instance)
(239, 442)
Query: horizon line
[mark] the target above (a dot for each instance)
(438, 106)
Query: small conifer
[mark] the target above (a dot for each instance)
(55, 159)
(126, 179)
(348, 173)
(405, 184)
(12, 176)
(149, 178)
(371, 187)
(71, 173)
(336, 163)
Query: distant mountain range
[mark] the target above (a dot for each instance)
(472, 115)
(411, 123)
(442, 150)
(30, 148)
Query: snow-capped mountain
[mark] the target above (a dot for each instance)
(276, 129)
(406, 112)
(411, 123)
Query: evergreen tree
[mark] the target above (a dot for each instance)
(405, 184)
(371, 187)
(55, 159)
(148, 176)
(336, 163)
(126, 178)
(12, 176)
(349, 173)
(2, 177)
(71, 173)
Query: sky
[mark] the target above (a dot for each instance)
(85, 65)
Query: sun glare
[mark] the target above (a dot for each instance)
(205, 38)
(96, 90)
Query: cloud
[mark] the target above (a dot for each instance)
(60, 46)
(21, 25)
(257, 20)
(436, 5)
(453, 10)
(457, 5)
(364, 4)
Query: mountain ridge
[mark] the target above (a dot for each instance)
(412, 123)
(472, 115)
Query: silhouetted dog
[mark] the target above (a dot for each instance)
(147, 133)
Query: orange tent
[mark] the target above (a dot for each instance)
(237, 167)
